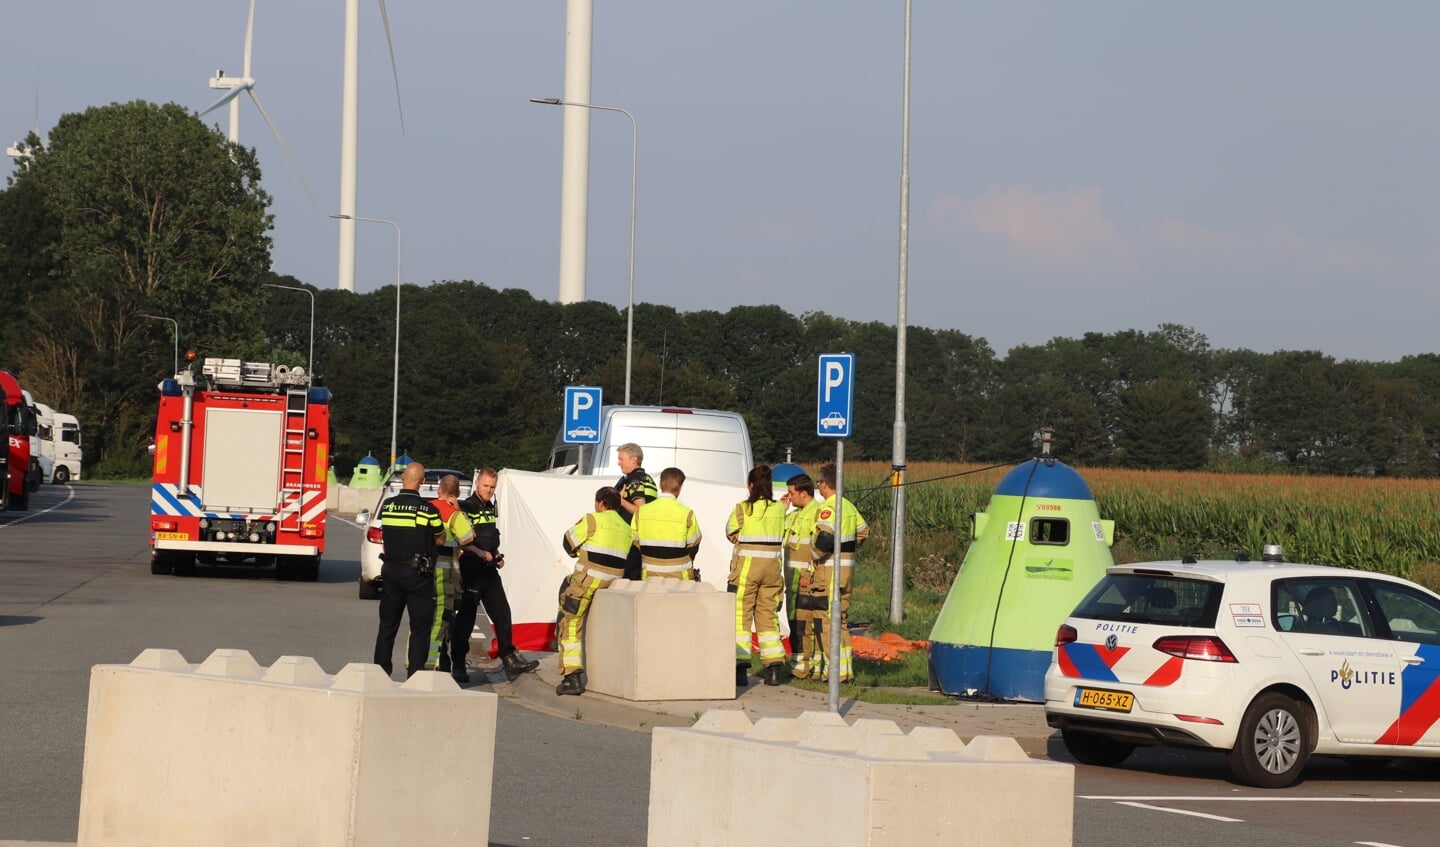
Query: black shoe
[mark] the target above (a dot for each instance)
(461, 677)
(516, 664)
(742, 676)
(570, 685)
(772, 674)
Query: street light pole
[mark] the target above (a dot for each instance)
(177, 336)
(310, 368)
(395, 392)
(634, 162)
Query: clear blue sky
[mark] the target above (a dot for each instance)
(1264, 173)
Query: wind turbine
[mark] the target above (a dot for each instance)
(245, 83)
(350, 134)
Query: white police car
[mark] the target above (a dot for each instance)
(1269, 662)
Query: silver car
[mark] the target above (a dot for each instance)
(371, 545)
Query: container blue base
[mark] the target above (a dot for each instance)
(1002, 672)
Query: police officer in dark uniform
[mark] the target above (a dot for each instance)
(636, 488)
(481, 583)
(410, 527)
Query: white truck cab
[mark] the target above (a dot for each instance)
(59, 436)
(704, 443)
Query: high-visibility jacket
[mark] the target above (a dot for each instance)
(853, 532)
(458, 530)
(757, 529)
(799, 532)
(667, 534)
(601, 539)
(409, 526)
(637, 483)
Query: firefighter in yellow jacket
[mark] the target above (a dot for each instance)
(805, 627)
(757, 528)
(834, 556)
(600, 541)
(666, 532)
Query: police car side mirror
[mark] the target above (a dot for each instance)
(363, 517)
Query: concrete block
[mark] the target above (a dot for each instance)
(661, 639)
(227, 753)
(865, 783)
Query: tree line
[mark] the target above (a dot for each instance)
(135, 209)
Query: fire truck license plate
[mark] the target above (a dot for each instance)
(171, 536)
(1108, 701)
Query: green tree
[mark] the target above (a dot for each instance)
(129, 209)
(1163, 424)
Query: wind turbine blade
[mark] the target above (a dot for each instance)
(394, 68)
(249, 36)
(226, 98)
(296, 165)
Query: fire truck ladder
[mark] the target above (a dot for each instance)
(292, 460)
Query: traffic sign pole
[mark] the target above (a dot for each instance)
(832, 667)
(835, 410)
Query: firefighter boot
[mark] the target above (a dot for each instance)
(742, 676)
(516, 664)
(772, 674)
(570, 685)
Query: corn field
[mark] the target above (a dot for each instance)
(1386, 525)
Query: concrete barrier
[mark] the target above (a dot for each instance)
(345, 500)
(231, 753)
(818, 780)
(661, 639)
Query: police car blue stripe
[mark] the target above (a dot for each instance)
(1089, 663)
(1415, 680)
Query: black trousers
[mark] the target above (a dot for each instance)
(482, 587)
(404, 590)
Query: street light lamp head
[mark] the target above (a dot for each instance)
(343, 217)
(548, 101)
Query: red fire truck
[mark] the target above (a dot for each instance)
(18, 417)
(241, 463)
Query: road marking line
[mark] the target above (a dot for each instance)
(1180, 812)
(1375, 844)
(69, 495)
(1204, 799)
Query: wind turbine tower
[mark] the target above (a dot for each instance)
(245, 84)
(220, 80)
(350, 133)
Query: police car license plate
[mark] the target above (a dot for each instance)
(171, 536)
(1105, 701)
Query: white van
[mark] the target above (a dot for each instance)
(704, 443)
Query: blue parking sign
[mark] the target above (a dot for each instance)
(835, 405)
(582, 414)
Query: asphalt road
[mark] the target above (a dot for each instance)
(76, 591)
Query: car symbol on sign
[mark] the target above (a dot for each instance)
(834, 420)
(582, 432)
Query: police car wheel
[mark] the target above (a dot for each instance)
(369, 590)
(1091, 749)
(1274, 742)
